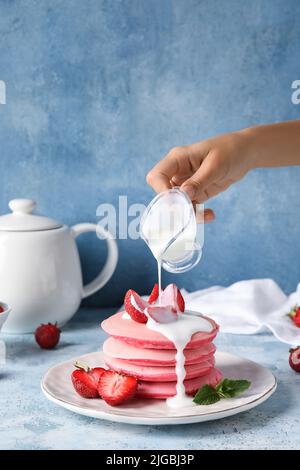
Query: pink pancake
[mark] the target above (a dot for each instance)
(117, 349)
(158, 373)
(140, 336)
(163, 390)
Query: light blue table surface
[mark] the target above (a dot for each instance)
(30, 421)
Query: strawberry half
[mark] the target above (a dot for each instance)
(116, 388)
(172, 296)
(165, 314)
(85, 380)
(135, 306)
(180, 301)
(154, 294)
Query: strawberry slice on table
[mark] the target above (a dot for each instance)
(85, 380)
(162, 314)
(135, 306)
(154, 294)
(116, 388)
(172, 296)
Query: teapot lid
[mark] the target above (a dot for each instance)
(21, 218)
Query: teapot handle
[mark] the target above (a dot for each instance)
(111, 261)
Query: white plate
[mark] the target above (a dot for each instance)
(58, 388)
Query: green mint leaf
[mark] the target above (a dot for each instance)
(206, 395)
(229, 388)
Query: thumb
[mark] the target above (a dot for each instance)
(207, 173)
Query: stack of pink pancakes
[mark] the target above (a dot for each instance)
(134, 349)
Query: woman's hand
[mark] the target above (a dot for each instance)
(207, 168)
(204, 169)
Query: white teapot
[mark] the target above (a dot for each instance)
(40, 272)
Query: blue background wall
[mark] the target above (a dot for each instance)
(97, 91)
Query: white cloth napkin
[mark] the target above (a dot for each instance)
(249, 307)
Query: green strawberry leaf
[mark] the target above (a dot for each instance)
(229, 388)
(293, 311)
(206, 395)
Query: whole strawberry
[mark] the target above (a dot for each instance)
(295, 315)
(47, 336)
(294, 358)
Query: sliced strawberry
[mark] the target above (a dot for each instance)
(154, 294)
(85, 380)
(172, 296)
(180, 301)
(135, 306)
(165, 314)
(169, 296)
(96, 373)
(116, 388)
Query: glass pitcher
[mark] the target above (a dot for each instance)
(169, 228)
